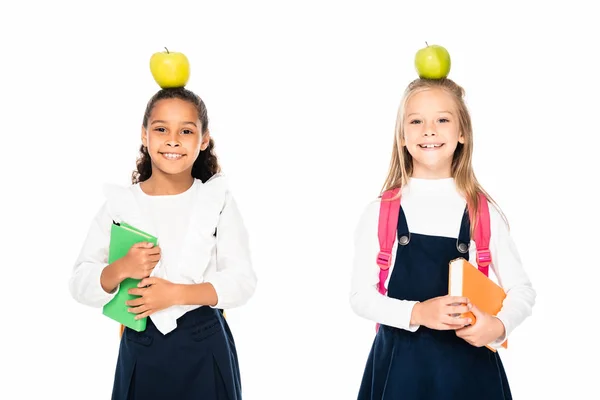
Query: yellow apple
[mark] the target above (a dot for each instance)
(432, 62)
(170, 69)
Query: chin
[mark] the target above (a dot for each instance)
(173, 171)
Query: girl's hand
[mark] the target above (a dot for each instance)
(140, 260)
(158, 295)
(440, 313)
(486, 329)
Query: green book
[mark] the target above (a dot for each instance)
(122, 237)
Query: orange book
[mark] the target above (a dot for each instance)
(466, 280)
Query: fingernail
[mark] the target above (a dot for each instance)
(470, 306)
(470, 321)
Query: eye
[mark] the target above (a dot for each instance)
(187, 131)
(160, 129)
(444, 120)
(415, 121)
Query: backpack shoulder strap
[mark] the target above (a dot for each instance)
(389, 210)
(482, 235)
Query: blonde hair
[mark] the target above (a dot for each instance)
(401, 163)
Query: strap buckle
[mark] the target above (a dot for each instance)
(384, 259)
(484, 257)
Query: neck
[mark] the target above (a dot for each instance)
(424, 172)
(160, 184)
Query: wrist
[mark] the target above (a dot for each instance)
(179, 294)
(501, 329)
(118, 270)
(110, 278)
(415, 315)
(202, 294)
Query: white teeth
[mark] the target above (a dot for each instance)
(172, 156)
(429, 146)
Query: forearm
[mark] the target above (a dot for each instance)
(112, 276)
(203, 294)
(368, 303)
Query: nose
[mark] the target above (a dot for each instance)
(172, 141)
(429, 130)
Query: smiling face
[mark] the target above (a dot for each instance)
(431, 133)
(173, 137)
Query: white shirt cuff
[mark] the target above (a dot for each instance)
(86, 286)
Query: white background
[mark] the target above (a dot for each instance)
(302, 102)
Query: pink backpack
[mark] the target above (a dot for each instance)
(389, 211)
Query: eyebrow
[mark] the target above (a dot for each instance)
(447, 112)
(160, 121)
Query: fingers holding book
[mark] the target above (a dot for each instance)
(155, 294)
(140, 260)
(440, 313)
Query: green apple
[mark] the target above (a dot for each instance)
(170, 69)
(432, 62)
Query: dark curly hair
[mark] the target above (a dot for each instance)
(207, 163)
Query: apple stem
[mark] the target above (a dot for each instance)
(167, 50)
(427, 44)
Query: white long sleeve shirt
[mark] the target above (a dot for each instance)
(185, 225)
(435, 207)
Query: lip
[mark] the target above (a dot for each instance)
(171, 156)
(430, 146)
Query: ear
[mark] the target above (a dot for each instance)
(461, 138)
(144, 137)
(205, 141)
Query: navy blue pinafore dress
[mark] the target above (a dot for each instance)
(197, 360)
(429, 364)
